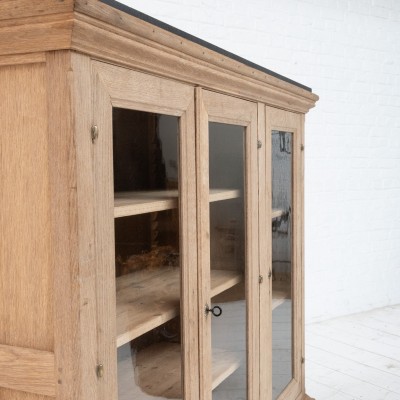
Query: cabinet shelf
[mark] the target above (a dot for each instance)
(158, 369)
(281, 291)
(276, 213)
(147, 299)
(134, 203)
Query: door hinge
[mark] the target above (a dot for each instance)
(303, 360)
(302, 147)
(269, 274)
(94, 131)
(100, 370)
(260, 279)
(259, 144)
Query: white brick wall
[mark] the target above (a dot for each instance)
(349, 53)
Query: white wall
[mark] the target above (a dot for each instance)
(349, 53)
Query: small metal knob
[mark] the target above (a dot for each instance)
(216, 310)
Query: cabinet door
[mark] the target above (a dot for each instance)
(282, 328)
(145, 191)
(228, 246)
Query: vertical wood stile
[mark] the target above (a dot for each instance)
(83, 121)
(203, 218)
(63, 195)
(265, 254)
(104, 241)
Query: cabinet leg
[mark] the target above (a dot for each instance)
(306, 397)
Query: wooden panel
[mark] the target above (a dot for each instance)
(26, 8)
(26, 272)
(142, 91)
(27, 370)
(147, 299)
(40, 37)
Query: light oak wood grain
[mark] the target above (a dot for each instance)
(26, 272)
(27, 370)
(64, 227)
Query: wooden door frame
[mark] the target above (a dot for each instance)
(280, 120)
(118, 87)
(216, 107)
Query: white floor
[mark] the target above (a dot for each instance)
(355, 357)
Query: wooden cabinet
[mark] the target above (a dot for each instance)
(151, 213)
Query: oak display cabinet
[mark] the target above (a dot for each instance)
(151, 212)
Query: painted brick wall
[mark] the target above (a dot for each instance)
(349, 53)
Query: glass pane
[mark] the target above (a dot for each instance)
(227, 253)
(147, 265)
(282, 328)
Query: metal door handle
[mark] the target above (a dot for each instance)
(216, 310)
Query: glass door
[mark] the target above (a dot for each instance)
(145, 168)
(227, 153)
(284, 260)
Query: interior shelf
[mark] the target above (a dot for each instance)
(158, 369)
(134, 203)
(281, 291)
(276, 213)
(147, 299)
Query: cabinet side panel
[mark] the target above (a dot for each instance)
(26, 279)
(8, 394)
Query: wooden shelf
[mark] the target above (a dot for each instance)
(134, 203)
(276, 213)
(147, 299)
(158, 369)
(281, 291)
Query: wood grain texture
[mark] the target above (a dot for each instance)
(64, 226)
(36, 37)
(10, 9)
(26, 271)
(83, 116)
(27, 370)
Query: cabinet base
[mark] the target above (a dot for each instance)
(306, 397)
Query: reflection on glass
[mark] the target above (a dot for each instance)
(145, 150)
(227, 253)
(282, 329)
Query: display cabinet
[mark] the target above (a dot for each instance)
(151, 213)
